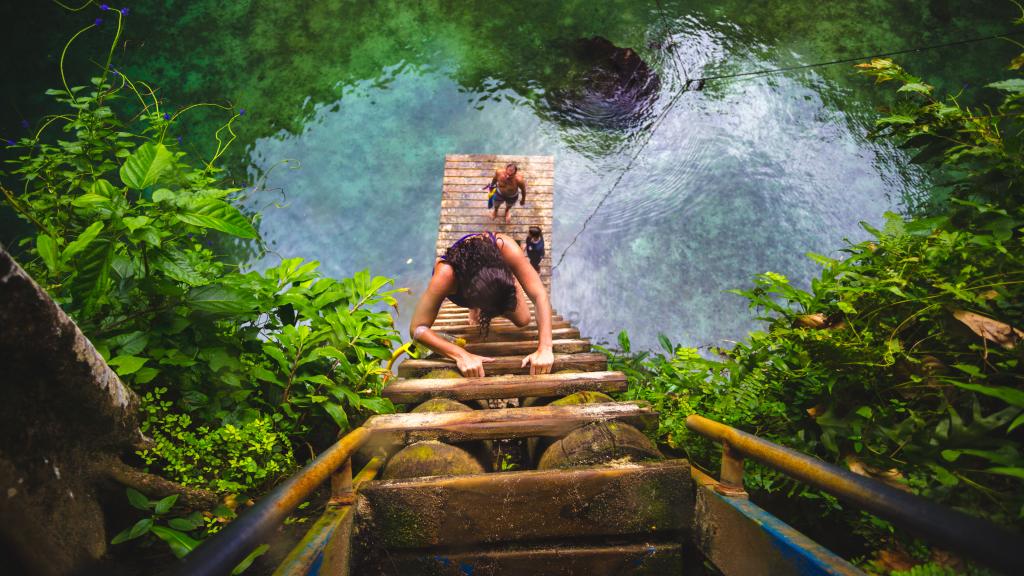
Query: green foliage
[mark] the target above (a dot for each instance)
(903, 360)
(233, 367)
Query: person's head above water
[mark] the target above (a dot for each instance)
(482, 278)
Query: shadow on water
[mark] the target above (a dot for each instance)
(364, 99)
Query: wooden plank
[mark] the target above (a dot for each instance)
(464, 204)
(496, 158)
(530, 422)
(522, 334)
(458, 322)
(564, 346)
(649, 557)
(643, 498)
(587, 362)
(509, 386)
(498, 328)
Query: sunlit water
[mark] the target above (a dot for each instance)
(351, 108)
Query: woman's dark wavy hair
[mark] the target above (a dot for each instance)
(482, 278)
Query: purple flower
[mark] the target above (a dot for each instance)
(179, 140)
(167, 116)
(241, 112)
(104, 7)
(24, 124)
(115, 72)
(124, 11)
(97, 22)
(10, 142)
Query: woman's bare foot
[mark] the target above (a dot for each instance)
(508, 216)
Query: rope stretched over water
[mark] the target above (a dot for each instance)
(697, 84)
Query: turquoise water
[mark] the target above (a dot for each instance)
(351, 107)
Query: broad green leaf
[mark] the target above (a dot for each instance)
(179, 266)
(244, 564)
(1012, 85)
(337, 413)
(146, 374)
(219, 215)
(135, 222)
(92, 201)
(145, 165)
(140, 528)
(918, 87)
(1008, 471)
(82, 242)
(1011, 396)
(180, 524)
(165, 504)
(47, 249)
(220, 299)
(163, 195)
(127, 364)
(666, 344)
(181, 544)
(103, 188)
(138, 499)
(129, 342)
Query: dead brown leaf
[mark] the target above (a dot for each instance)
(816, 321)
(993, 330)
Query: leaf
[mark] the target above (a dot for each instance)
(219, 215)
(181, 544)
(146, 374)
(337, 413)
(918, 87)
(145, 165)
(221, 299)
(244, 564)
(47, 249)
(138, 499)
(624, 341)
(82, 242)
(181, 524)
(127, 364)
(135, 222)
(140, 528)
(179, 266)
(93, 201)
(165, 504)
(1008, 471)
(1017, 422)
(1015, 85)
(163, 195)
(999, 332)
(1011, 396)
(666, 344)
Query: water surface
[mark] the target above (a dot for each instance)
(351, 107)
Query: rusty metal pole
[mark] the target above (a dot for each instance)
(730, 480)
(342, 491)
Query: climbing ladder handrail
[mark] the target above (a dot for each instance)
(223, 551)
(973, 537)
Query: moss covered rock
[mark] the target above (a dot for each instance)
(431, 458)
(599, 443)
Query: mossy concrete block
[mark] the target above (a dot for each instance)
(652, 498)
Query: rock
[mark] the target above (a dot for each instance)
(599, 443)
(431, 458)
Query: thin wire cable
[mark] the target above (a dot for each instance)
(699, 83)
(859, 58)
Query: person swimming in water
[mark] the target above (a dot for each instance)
(487, 273)
(509, 186)
(534, 245)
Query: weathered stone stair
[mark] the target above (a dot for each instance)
(615, 518)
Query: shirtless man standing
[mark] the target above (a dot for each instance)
(510, 184)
